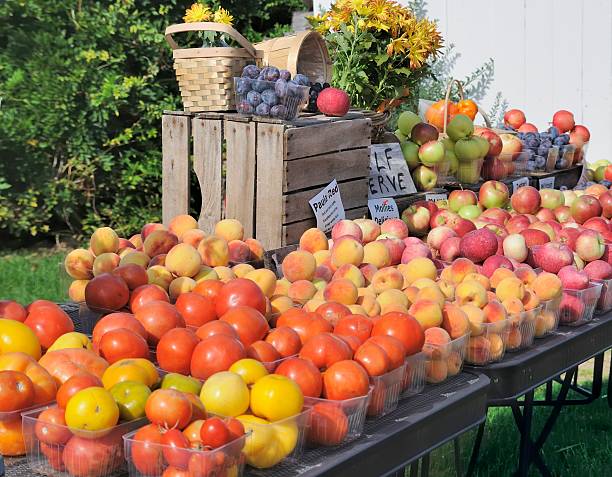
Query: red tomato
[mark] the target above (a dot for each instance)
(373, 358)
(306, 325)
(48, 324)
(216, 327)
(122, 343)
(316, 326)
(352, 341)
(325, 349)
(235, 428)
(204, 464)
(16, 391)
(146, 452)
(285, 340)
(51, 427)
(214, 433)
(93, 457)
(53, 454)
(403, 327)
(285, 318)
(145, 294)
(304, 373)
(209, 289)
(158, 317)
(240, 292)
(249, 323)
(175, 452)
(175, 472)
(113, 321)
(195, 309)
(64, 363)
(215, 354)
(328, 424)
(174, 350)
(333, 311)
(192, 431)
(345, 380)
(38, 304)
(354, 325)
(133, 275)
(376, 406)
(395, 349)
(74, 384)
(263, 351)
(168, 408)
(12, 310)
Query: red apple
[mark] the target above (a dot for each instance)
(598, 270)
(563, 120)
(517, 223)
(497, 215)
(494, 169)
(417, 219)
(515, 247)
(511, 147)
(597, 223)
(590, 245)
(442, 217)
(493, 194)
(462, 226)
(552, 257)
(478, 245)
(495, 144)
(450, 249)
(526, 200)
(396, 248)
(514, 118)
(415, 250)
(460, 197)
(493, 263)
(568, 236)
(545, 214)
(563, 213)
(582, 131)
(573, 278)
(605, 200)
(552, 198)
(428, 204)
(585, 207)
(438, 235)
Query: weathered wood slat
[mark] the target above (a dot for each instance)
(207, 162)
(175, 166)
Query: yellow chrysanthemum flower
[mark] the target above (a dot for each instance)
(197, 13)
(223, 16)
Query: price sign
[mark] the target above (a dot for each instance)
(517, 184)
(327, 206)
(383, 209)
(435, 197)
(547, 183)
(389, 173)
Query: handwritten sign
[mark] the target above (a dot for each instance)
(435, 197)
(517, 184)
(547, 183)
(389, 174)
(383, 209)
(327, 206)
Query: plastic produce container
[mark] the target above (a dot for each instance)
(442, 362)
(270, 99)
(547, 320)
(62, 452)
(272, 365)
(11, 421)
(528, 327)
(336, 422)
(385, 392)
(469, 172)
(489, 345)
(604, 303)
(414, 375)
(224, 460)
(577, 306)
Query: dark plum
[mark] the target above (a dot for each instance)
(553, 131)
(540, 162)
(269, 97)
(278, 111)
(250, 71)
(301, 80)
(254, 98)
(271, 73)
(284, 75)
(260, 85)
(280, 87)
(262, 110)
(244, 107)
(243, 85)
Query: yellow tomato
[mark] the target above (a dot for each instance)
(71, 340)
(137, 369)
(15, 336)
(275, 397)
(92, 409)
(267, 443)
(287, 435)
(261, 434)
(225, 393)
(249, 369)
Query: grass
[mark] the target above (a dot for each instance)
(580, 443)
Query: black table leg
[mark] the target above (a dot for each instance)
(457, 449)
(476, 449)
(414, 469)
(610, 384)
(525, 429)
(425, 466)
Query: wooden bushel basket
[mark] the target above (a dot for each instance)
(205, 75)
(304, 52)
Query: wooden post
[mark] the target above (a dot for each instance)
(175, 165)
(207, 161)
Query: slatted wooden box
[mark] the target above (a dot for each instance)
(272, 169)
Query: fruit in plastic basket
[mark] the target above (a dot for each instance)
(431, 153)
(51, 427)
(250, 324)
(483, 144)
(175, 449)
(225, 393)
(131, 398)
(527, 127)
(406, 121)
(304, 373)
(11, 438)
(79, 264)
(511, 146)
(563, 120)
(239, 292)
(157, 318)
(373, 358)
(215, 353)
(422, 133)
(175, 349)
(73, 385)
(168, 408)
(250, 370)
(136, 369)
(121, 343)
(573, 278)
(585, 207)
(514, 118)
(325, 349)
(106, 292)
(146, 452)
(92, 409)
(552, 257)
(195, 309)
(276, 397)
(250, 71)
(16, 391)
(345, 380)
(434, 114)
(590, 245)
(468, 149)
(115, 321)
(478, 245)
(244, 107)
(333, 102)
(424, 178)
(460, 127)
(328, 424)
(459, 198)
(598, 270)
(16, 336)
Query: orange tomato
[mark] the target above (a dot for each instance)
(467, 107)
(11, 438)
(286, 341)
(16, 391)
(435, 114)
(64, 363)
(44, 384)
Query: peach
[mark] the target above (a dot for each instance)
(370, 230)
(323, 257)
(313, 240)
(387, 278)
(159, 275)
(224, 273)
(377, 254)
(239, 251)
(394, 307)
(357, 310)
(105, 263)
(547, 286)
(510, 287)
(454, 320)
(427, 313)
(478, 350)
(280, 304)
(341, 291)
(242, 269)
(423, 283)
(79, 264)
(104, 240)
(139, 258)
(206, 273)
(411, 293)
(350, 272)
(158, 242)
(193, 237)
(311, 305)
(526, 275)
(323, 272)
(265, 280)
(454, 363)
(76, 290)
(125, 251)
(499, 275)
(346, 227)
(460, 268)
(432, 294)
(476, 318)
(545, 322)
(491, 296)
(368, 270)
(319, 283)
(158, 260)
(346, 250)
(513, 306)
(394, 227)
(181, 224)
(183, 260)
(480, 278)
(436, 370)
(448, 289)
(281, 287)
(494, 312)
(299, 265)
(530, 300)
(420, 267)
(256, 248)
(446, 275)
(369, 304)
(180, 285)
(471, 292)
(229, 229)
(301, 291)
(214, 251)
(497, 345)
(437, 343)
(392, 297)
(148, 229)
(136, 240)
(514, 338)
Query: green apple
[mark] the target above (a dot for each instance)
(131, 398)
(400, 136)
(448, 143)
(424, 178)
(484, 145)
(468, 149)
(470, 212)
(460, 127)
(431, 153)
(600, 173)
(181, 383)
(452, 161)
(411, 154)
(469, 172)
(406, 122)
(597, 164)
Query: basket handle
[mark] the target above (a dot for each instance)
(447, 98)
(208, 26)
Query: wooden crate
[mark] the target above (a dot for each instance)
(272, 169)
(563, 177)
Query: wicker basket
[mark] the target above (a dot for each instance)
(205, 75)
